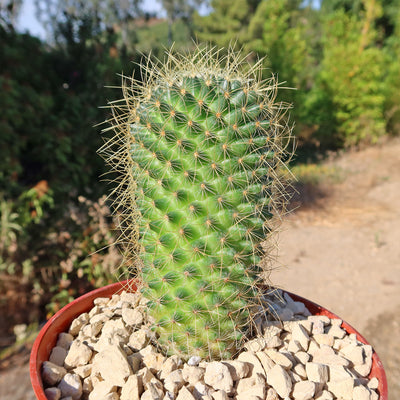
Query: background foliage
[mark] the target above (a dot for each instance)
(341, 59)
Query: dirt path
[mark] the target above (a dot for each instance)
(341, 249)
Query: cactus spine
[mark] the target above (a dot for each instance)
(198, 147)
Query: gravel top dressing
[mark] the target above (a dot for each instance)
(108, 354)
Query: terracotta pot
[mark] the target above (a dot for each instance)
(60, 322)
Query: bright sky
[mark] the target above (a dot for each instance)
(27, 20)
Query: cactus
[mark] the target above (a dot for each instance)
(198, 147)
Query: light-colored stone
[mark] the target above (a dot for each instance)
(255, 364)
(52, 393)
(279, 358)
(101, 390)
(94, 311)
(294, 376)
(99, 319)
(338, 373)
(336, 322)
(78, 354)
(317, 327)
(303, 390)
(280, 380)
(91, 330)
(271, 394)
(83, 371)
(220, 395)
(100, 301)
(265, 360)
(302, 357)
(255, 385)
(374, 395)
(113, 332)
(200, 390)
(256, 345)
(326, 355)
(294, 346)
(373, 383)
(194, 361)
(342, 389)
(132, 298)
(256, 390)
(271, 331)
(273, 342)
(324, 395)
(113, 365)
(132, 389)
(317, 372)
(174, 381)
(217, 376)
(78, 323)
(154, 391)
(132, 316)
(300, 335)
(170, 364)
(361, 393)
(150, 394)
(353, 353)
(313, 347)
(247, 396)
(145, 375)
(64, 340)
(192, 374)
(184, 394)
(324, 339)
(57, 355)
(300, 370)
(336, 332)
(153, 360)
(111, 396)
(71, 385)
(52, 373)
(87, 385)
(325, 320)
(238, 369)
(365, 368)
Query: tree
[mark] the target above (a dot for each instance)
(349, 87)
(180, 9)
(227, 22)
(9, 11)
(100, 15)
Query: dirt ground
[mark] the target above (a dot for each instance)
(339, 248)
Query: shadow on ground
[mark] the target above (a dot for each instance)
(383, 332)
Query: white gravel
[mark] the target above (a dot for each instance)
(108, 355)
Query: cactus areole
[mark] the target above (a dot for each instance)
(198, 147)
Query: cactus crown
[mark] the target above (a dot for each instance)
(198, 147)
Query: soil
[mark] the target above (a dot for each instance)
(339, 247)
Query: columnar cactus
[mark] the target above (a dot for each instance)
(199, 146)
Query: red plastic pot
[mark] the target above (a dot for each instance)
(60, 322)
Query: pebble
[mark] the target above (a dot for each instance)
(71, 385)
(217, 376)
(53, 393)
(52, 373)
(107, 355)
(280, 380)
(194, 361)
(303, 390)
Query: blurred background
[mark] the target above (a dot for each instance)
(60, 62)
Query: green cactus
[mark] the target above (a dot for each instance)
(198, 147)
